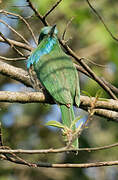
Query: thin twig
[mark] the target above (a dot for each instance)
(18, 44)
(12, 29)
(37, 13)
(12, 45)
(84, 165)
(53, 7)
(96, 64)
(86, 67)
(13, 157)
(20, 6)
(60, 150)
(67, 25)
(18, 160)
(100, 18)
(24, 20)
(113, 88)
(91, 112)
(13, 59)
(78, 131)
(82, 70)
(66, 165)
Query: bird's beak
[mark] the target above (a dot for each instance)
(52, 30)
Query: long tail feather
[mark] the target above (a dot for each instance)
(67, 118)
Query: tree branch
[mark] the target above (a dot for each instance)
(11, 45)
(60, 150)
(66, 165)
(37, 13)
(101, 19)
(18, 44)
(13, 30)
(86, 67)
(53, 7)
(39, 97)
(24, 20)
(12, 59)
(86, 165)
(15, 73)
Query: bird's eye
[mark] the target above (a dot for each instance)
(42, 35)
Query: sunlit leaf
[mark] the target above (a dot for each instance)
(86, 93)
(55, 124)
(99, 93)
(102, 99)
(75, 121)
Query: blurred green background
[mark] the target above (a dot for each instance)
(24, 127)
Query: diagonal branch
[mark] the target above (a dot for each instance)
(37, 13)
(86, 67)
(113, 88)
(18, 34)
(100, 18)
(53, 7)
(24, 20)
(18, 44)
(12, 45)
(67, 25)
(13, 157)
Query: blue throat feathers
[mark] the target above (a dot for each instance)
(37, 53)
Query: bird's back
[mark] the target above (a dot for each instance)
(58, 75)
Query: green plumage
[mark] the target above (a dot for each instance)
(59, 77)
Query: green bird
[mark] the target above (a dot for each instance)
(50, 68)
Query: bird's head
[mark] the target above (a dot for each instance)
(48, 31)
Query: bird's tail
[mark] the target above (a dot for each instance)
(68, 116)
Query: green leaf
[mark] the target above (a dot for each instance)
(99, 93)
(75, 121)
(55, 124)
(79, 127)
(86, 93)
(103, 99)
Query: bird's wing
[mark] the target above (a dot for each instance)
(57, 74)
